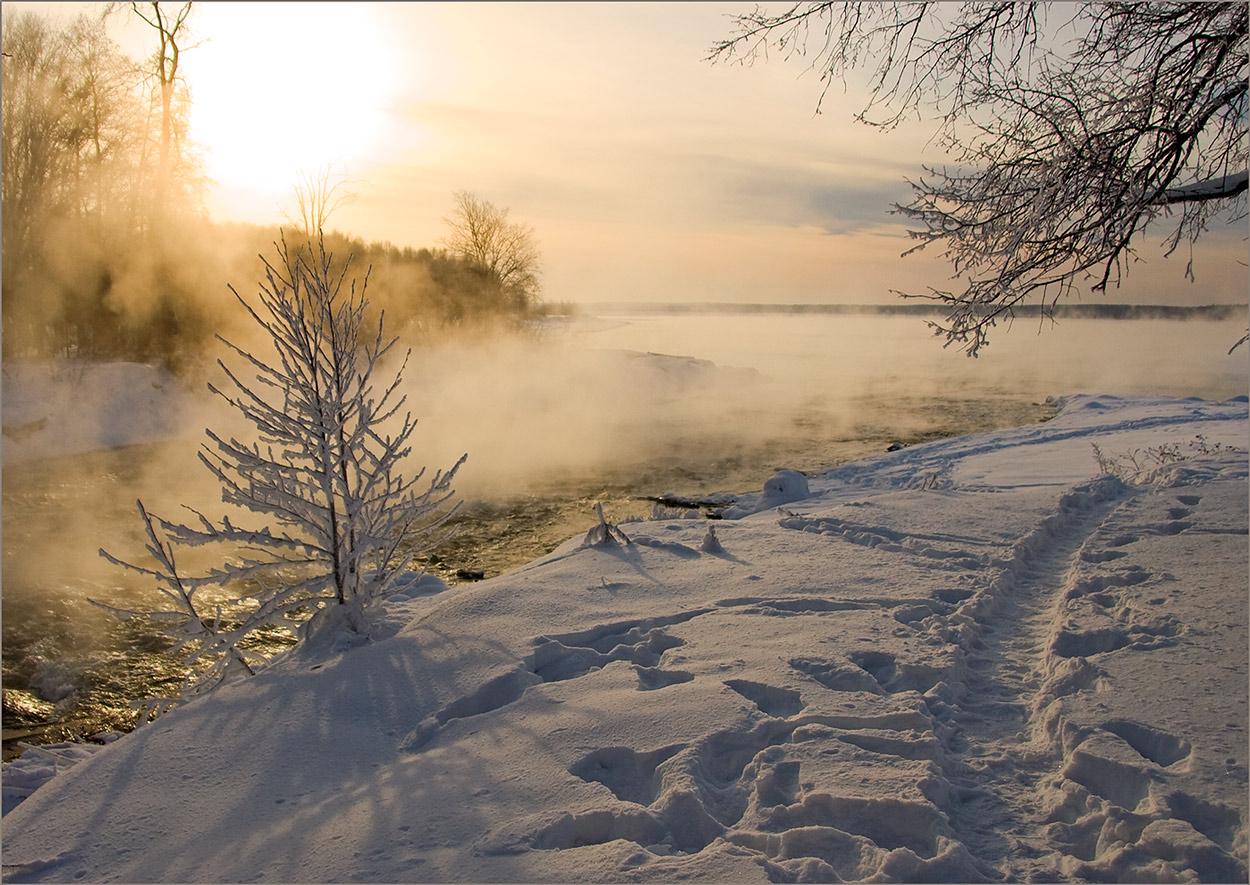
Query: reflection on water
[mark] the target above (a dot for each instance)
(69, 667)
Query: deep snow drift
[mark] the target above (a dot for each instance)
(975, 659)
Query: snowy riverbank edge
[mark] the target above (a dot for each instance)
(974, 659)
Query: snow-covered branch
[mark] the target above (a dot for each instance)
(325, 469)
(1071, 128)
(1221, 188)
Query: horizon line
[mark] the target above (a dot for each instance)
(1216, 310)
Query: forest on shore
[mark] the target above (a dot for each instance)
(108, 253)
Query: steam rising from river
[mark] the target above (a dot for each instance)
(635, 391)
(595, 408)
(656, 398)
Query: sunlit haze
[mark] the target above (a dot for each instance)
(276, 91)
(647, 172)
(499, 403)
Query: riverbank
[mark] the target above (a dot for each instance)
(83, 441)
(968, 659)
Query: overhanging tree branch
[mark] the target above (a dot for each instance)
(1223, 188)
(1068, 137)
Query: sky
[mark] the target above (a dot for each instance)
(647, 172)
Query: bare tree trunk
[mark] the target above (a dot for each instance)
(169, 29)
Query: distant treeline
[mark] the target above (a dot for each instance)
(162, 296)
(1082, 311)
(105, 251)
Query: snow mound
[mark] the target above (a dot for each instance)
(971, 660)
(783, 487)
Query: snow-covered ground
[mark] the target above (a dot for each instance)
(974, 659)
(66, 408)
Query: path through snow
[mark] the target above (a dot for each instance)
(972, 660)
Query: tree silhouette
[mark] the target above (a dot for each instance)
(1070, 128)
(505, 251)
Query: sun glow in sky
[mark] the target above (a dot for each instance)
(647, 172)
(280, 88)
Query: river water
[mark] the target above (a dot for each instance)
(579, 416)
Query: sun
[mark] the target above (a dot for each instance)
(279, 90)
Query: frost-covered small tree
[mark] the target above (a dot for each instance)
(341, 522)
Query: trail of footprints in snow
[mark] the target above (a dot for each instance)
(1037, 646)
(744, 785)
(1004, 649)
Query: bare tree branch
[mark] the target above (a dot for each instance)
(506, 251)
(1071, 129)
(316, 199)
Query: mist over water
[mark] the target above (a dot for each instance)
(587, 397)
(608, 409)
